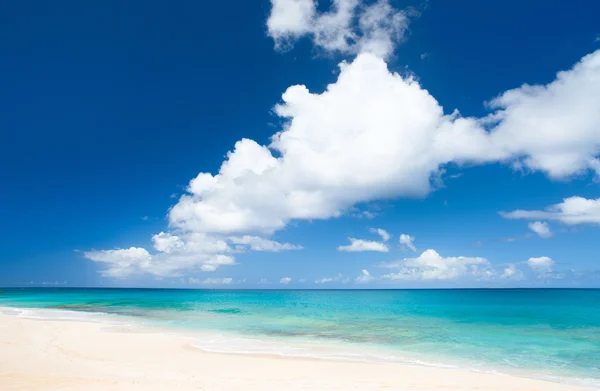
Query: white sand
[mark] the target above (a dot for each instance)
(62, 355)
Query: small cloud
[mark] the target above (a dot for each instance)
(364, 277)
(359, 245)
(515, 238)
(263, 281)
(541, 229)
(145, 218)
(285, 280)
(385, 236)
(364, 214)
(512, 273)
(338, 278)
(256, 243)
(407, 242)
(541, 264)
(425, 55)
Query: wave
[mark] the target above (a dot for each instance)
(50, 314)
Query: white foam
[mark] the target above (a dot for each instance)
(230, 344)
(50, 314)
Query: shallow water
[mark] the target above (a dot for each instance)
(544, 333)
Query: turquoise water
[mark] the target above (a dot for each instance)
(544, 333)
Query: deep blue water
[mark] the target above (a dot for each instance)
(549, 333)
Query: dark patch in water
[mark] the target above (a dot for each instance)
(95, 308)
(227, 311)
(330, 336)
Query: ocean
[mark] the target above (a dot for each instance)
(552, 334)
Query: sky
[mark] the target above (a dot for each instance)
(288, 144)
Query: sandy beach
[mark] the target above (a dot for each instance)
(65, 355)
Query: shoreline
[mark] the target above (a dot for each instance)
(80, 355)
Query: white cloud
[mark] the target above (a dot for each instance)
(338, 278)
(364, 277)
(358, 245)
(512, 273)
(166, 242)
(121, 262)
(285, 280)
(385, 236)
(541, 264)
(349, 145)
(256, 243)
(189, 244)
(290, 18)
(541, 228)
(200, 253)
(572, 211)
(432, 266)
(350, 27)
(553, 128)
(543, 267)
(407, 241)
(177, 254)
(371, 135)
(529, 121)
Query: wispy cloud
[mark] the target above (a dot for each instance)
(364, 278)
(385, 235)
(350, 26)
(572, 211)
(407, 242)
(339, 278)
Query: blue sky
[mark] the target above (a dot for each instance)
(110, 110)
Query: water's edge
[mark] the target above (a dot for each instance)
(240, 344)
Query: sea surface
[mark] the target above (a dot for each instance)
(552, 334)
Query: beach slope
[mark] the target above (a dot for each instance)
(62, 355)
